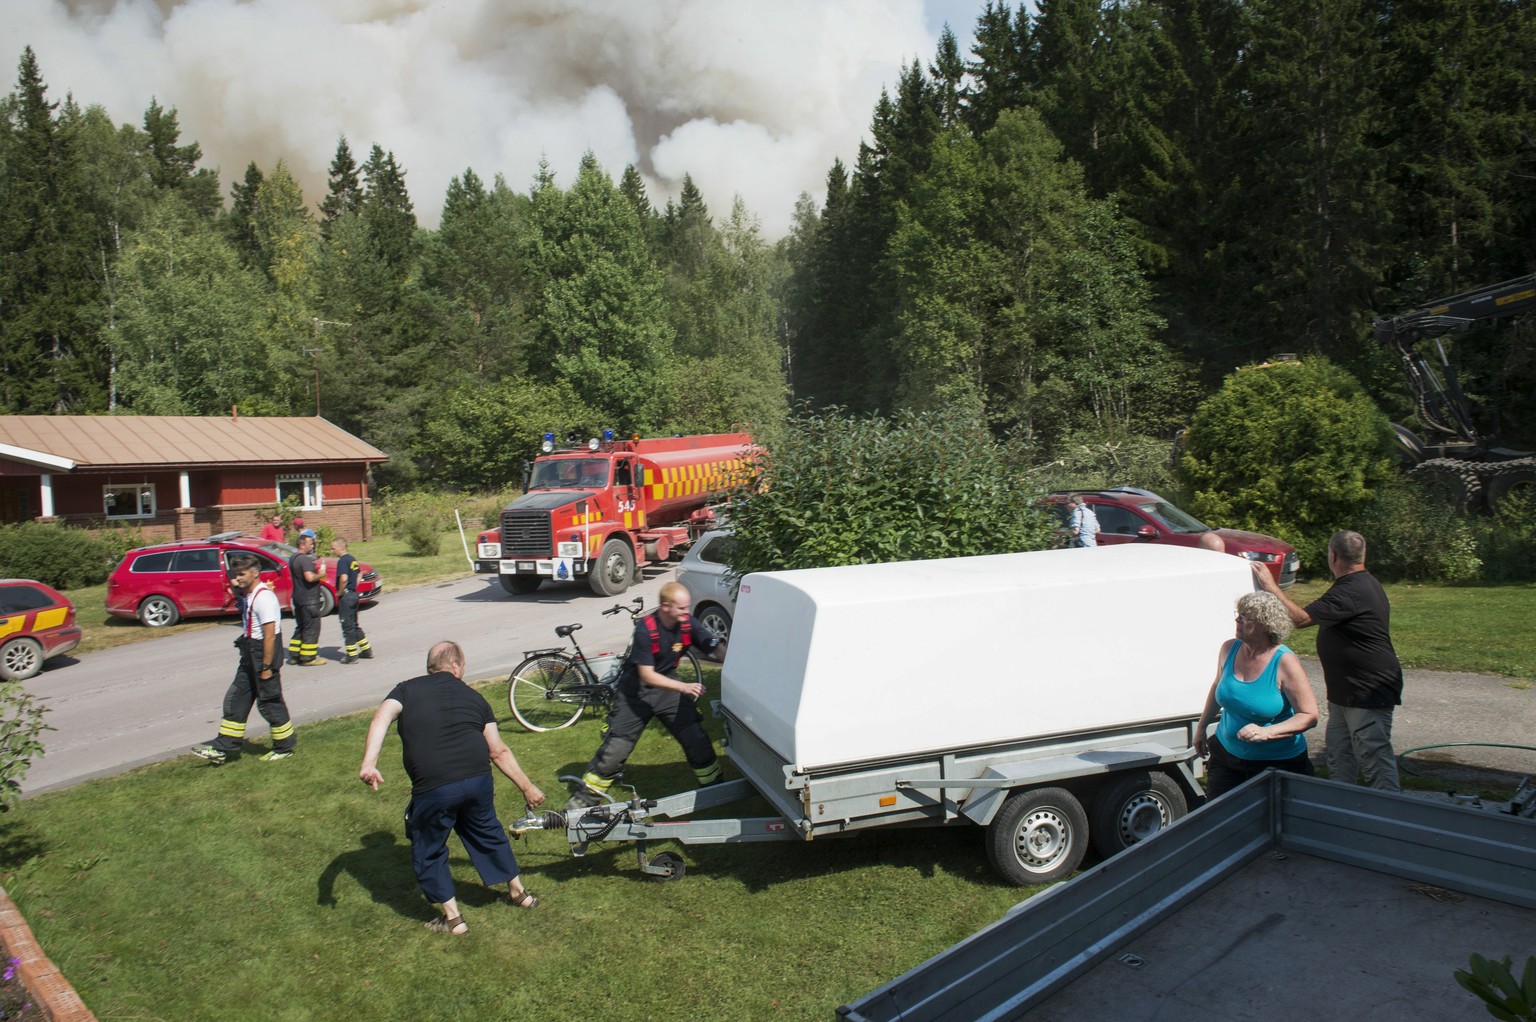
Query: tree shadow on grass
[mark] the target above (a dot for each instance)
(18, 846)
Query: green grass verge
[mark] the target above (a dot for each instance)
(1483, 629)
(179, 890)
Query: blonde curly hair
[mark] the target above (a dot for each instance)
(1268, 612)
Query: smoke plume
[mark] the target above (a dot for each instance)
(750, 97)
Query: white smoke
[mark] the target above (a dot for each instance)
(751, 97)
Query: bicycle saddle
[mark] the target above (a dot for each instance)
(564, 631)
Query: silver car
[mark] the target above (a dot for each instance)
(703, 572)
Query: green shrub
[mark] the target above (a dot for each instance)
(422, 535)
(1296, 450)
(1098, 459)
(838, 490)
(1508, 540)
(1412, 537)
(392, 510)
(62, 557)
(21, 729)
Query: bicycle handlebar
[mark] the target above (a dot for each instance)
(634, 607)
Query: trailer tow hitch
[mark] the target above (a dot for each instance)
(594, 823)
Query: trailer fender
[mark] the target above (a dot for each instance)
(993, 786)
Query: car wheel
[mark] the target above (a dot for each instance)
(158, 612)
(716, 619)
(327, 601)
(21, 659)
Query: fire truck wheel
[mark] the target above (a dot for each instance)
(614, 570)
(520, 585)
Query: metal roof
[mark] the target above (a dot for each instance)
(151, 441)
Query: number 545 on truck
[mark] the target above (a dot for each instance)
(599, 512)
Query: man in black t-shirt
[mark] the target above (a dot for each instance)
(450, 740)
(1360, 666)
(648, 687)
(304, 646)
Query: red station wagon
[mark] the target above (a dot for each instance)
(164, 583)
(1128, 515)
(37, 623)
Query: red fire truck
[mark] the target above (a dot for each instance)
(601, 511)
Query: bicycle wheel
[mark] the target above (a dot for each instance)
(536, 693)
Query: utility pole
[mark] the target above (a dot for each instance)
(315, 324)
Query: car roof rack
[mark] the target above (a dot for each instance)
(224, 537)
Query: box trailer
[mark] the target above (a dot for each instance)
(1050, 697)
(1290, 897)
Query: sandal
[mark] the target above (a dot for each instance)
(527, 899)
(442, 924)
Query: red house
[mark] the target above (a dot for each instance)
(181, 477)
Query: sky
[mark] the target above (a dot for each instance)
(754, 98)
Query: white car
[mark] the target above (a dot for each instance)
(704, 573)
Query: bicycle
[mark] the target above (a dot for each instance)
(551, 688)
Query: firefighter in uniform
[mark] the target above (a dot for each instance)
(304, 646)
(648, 687)
(347, 570)
(257, 681)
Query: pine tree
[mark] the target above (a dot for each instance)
(948, 73)
(387, 211)
(50, 351)
(474, 274)
(601, 324)
(1316, 192)
(346, 190)
(174, 167)
(1001, 73)
(241, 220)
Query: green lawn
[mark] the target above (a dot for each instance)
(1481, 629)
(178, 890)
(184, 891)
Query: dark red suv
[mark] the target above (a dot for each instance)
(1129, 515)
(164, 583)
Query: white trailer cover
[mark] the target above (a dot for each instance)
(831, 666)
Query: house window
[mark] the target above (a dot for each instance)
(304, 489)
(129, 501)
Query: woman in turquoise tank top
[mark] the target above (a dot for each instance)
(1263, 697)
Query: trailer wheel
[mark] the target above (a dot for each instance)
(672, 863)
(614, 570)
(520, 585)
(1038, 837)
(1133, 807)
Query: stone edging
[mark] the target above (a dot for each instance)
(49, 990)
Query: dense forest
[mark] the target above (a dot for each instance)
(1074, 232)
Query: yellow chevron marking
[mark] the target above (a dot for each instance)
(49, 618)
(11, 624)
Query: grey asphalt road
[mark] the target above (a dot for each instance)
(138, 704)
(150, 701)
